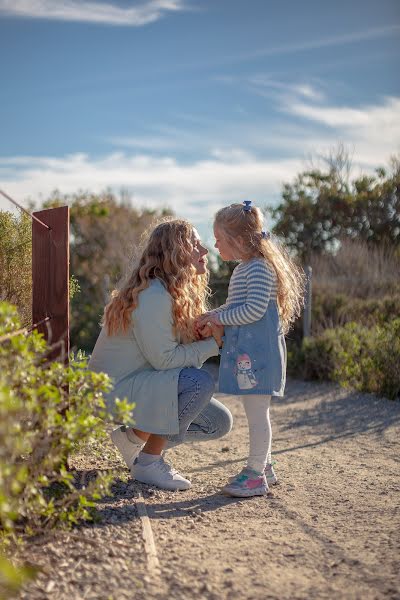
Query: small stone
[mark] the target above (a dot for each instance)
(225, 449)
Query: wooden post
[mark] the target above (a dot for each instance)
(50, 279)
(307, 303)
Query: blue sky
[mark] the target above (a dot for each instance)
(192, 104)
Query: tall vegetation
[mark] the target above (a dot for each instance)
(349, 232)
(322, 207)
(47, 412)
(16, 262)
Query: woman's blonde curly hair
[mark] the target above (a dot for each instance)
(166, 255)
(242, 227)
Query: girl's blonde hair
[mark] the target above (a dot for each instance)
(166, 256)
(242, 227)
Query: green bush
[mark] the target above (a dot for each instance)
(333, 310)
(364, 358)
(16, 262)
(47, 411)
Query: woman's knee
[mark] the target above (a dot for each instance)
(221, 418)
(225, 422)
(190, 378)
(206, 382)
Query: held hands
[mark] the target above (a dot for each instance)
(208, 325)
(207, 319)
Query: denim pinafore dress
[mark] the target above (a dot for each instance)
(253, 357)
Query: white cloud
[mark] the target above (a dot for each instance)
(305, 90)
(236, 161)
(373, 131)
(90, 12)
(336, 40)
(193, 190)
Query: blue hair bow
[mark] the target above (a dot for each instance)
(247, 205)
(265, 235)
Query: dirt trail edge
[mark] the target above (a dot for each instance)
(329, 529)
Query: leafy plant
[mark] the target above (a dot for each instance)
(16, 262)
(47, 411)
(322, 207)
(365, 358)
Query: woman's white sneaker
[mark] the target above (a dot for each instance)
(160, 474)
(128, 449)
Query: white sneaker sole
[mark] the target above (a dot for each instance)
(173, 487)
(244, 493)
(272, 480)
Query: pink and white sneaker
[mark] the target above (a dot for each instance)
(270, 474)
(246, 484)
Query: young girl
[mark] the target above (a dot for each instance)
(264, 296)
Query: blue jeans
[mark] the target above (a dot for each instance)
(201, 417)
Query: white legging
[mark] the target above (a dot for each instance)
(260, 433)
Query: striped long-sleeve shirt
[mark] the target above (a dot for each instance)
(252, 285)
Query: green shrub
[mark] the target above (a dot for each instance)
(366, 359)
(335, 310)
(46, 412)
(16, 262)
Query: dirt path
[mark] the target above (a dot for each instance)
(330, 529)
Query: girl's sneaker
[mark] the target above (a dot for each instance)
(128, 449)
(247, 483)
(270, 474)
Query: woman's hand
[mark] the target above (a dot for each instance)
(217, 333)
(211, 329)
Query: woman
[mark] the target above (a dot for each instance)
(149, 347)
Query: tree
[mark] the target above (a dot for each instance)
(321, 207)
(16, 262)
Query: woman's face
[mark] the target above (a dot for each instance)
(198, 257)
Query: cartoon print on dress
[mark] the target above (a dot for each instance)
(245, 376)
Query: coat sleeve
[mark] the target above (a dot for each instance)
(153, 330)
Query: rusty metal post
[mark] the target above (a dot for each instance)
(50, 279)
(307, 303)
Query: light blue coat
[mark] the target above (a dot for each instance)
(145, 363)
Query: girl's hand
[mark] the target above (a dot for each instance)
(207, 319)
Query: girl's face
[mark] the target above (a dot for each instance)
(199, 252)
(223, 246)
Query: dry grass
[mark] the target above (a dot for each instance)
(357, 270)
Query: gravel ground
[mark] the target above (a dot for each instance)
(329, 529)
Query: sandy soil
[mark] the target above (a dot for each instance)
(329, 529)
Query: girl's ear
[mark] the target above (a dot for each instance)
(240, 242)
